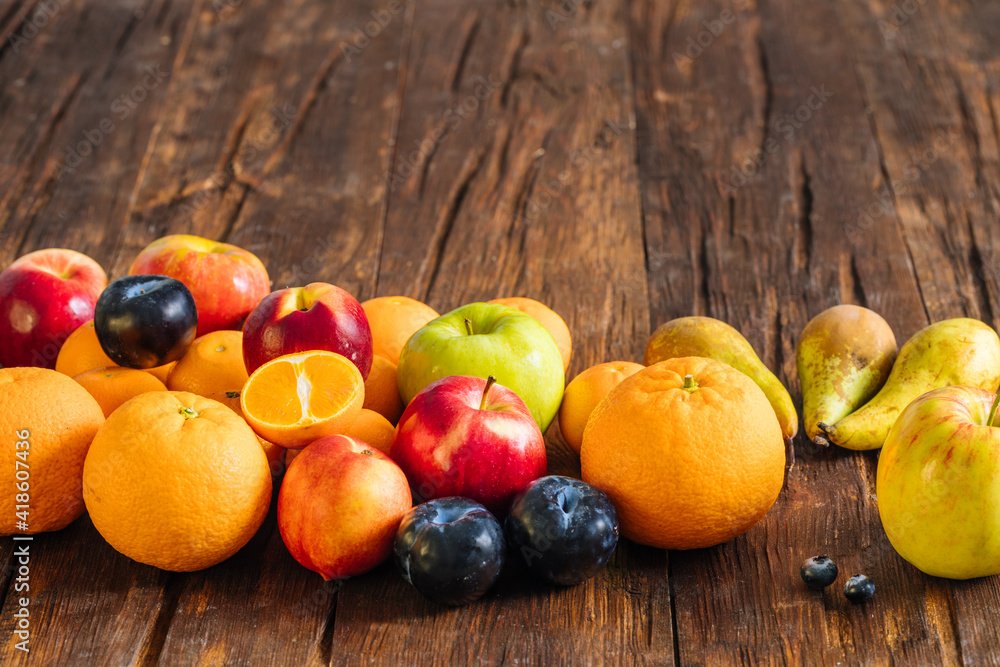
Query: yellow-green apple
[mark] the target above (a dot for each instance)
(225, 280)
(468, 436)
(44, 296)
(481, 339)
(319, 316)
(339, 506)
(938, 483)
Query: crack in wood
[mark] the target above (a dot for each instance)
(308, 101)
(16, 18)
(463, 57)
(451, 215)
(523, 194)
(116, 50)
(51, 127)
(765, 74)
(515, 64)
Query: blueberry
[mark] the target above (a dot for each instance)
(450, 549)
(819, 572)
(859, 588)
(563, 529)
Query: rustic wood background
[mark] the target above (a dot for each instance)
(624, 162)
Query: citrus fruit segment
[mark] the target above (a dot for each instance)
(297, 398)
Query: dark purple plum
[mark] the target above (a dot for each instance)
(450, 549)
(145, 321)
(563, 529)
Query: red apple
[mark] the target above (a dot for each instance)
(466, 436)
(318, 316)
(339, 506)
(44, 296)
(226, 281)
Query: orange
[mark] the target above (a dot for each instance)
(48, 421)
(82, 352)
(584, 393)
(177, 481)
(297, 398)
(275, 454)
(212, 363)
(689, 450)
(548, 318)
(161, 373)
(373, 429)
(113, 385)
(393, 319)
(382, 390)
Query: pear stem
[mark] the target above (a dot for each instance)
(468, 326)
(486, 392)
(993, 410)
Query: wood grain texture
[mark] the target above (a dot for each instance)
(623, 162)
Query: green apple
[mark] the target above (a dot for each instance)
(483, 339)
(938, 484)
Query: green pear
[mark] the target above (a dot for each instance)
(711, 338)
(960, 351)
(844, 356)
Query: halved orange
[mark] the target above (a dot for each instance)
(297, 398)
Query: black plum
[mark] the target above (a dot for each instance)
(563, 529)
(859, 588)
(450, 549)
(819, 572)
(145, 321)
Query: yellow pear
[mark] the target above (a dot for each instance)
(959, 351)
(844, 356)
(714, 339)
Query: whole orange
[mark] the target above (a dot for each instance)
(382, 389)
(48, 422)
(177, 481)
(548, 318)
(113, 385)
(275, 454)
(583, 394)
(393, 319)
(212, 363)
(82, 352)
(690, 452)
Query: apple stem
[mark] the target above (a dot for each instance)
(486, 392)
(468, 326)
(993, 410)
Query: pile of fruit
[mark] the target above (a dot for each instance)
(180, 392)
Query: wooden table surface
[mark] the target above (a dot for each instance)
(625, 163)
